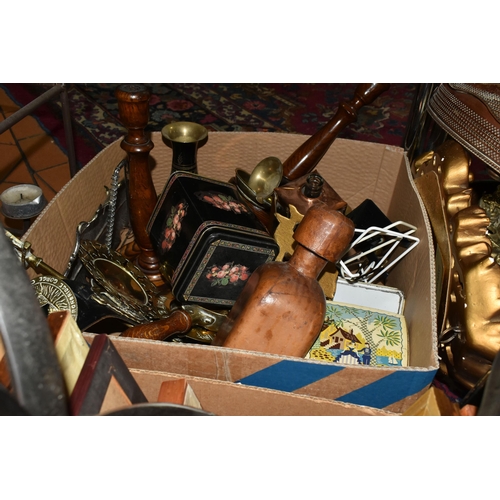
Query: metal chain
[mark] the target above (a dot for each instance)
(113, 194)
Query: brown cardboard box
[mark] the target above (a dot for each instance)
(225, 398)
(357, 171)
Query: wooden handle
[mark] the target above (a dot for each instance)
(133, 105)
(178, 322)
(306, 157)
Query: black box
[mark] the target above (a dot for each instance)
(209, 242)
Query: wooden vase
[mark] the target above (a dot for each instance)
(282, 307)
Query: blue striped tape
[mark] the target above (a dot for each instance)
(390, 389)
(290, 376)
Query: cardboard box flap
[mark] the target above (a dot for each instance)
(382, 388)
(53, 233)
(415, 274)
(227, 399)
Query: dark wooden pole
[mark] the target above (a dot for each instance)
(305, 158)
(133, 106)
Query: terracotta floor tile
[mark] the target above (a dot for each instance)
(46, 164)
(7, 138)
(10, 159)
(42, 152)
(51, 180)
(27, 127)
(19, 175)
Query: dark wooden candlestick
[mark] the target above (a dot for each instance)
(133, 105)
(305, 158)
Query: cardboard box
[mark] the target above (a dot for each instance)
(357, 171)
(221, 397)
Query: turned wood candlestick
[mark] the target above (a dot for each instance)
(305, 158)
(133, 106)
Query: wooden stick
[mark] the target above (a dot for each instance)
(305, 158)
(177, 323)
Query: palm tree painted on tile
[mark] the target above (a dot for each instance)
(362, 320)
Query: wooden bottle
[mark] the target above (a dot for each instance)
(282, 307)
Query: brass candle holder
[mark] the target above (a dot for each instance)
(184, 138)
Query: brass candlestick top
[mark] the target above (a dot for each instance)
(184, 132)
(184, 138)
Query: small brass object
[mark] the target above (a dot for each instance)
(55, 294)
(123, 287)
(266, 176)
(243, 186)
(28, 259)
(184, 138)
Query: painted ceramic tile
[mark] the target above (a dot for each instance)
(361, 336)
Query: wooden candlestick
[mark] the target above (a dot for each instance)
(305, 158)
(133, 105)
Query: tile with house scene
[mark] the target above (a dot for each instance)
(358, 335)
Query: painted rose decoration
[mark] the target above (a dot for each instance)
(222, 201)
(173, 225)
(228, 274)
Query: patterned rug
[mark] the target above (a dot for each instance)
(288, 108)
